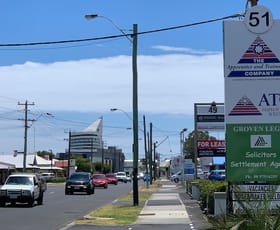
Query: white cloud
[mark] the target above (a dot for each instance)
(166, 83)
(185, 50)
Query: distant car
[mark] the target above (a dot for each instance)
(121, 176)
(111, 178)
(176, 177)
(146, 177)
(217, 174)
(79, 182)
(128, 178)
(140, 175)
(100, 180)
(47, 176)
(200, 174)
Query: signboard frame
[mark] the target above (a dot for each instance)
(252, 111)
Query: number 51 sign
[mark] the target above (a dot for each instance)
(258, 19)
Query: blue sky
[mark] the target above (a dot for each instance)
(79, 82)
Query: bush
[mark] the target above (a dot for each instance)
(57, 180)
(207, 189)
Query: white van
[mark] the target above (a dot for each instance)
(47, 175)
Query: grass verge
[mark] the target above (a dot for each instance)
(116, 214)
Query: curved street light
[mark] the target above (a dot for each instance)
(93, 16)
(121, 110)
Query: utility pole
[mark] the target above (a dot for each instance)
(155, 163)
(146, 151)
(135, 116)
(150, 153)
(26, 104)
(69, 153)
(254, 2)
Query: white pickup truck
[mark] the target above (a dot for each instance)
(22, 188)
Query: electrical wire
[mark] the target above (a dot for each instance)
(121, 35)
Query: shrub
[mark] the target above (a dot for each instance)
(207, 189)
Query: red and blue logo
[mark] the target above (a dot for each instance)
(257, 54)
(244, 107)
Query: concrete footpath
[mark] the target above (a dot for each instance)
(169, 208)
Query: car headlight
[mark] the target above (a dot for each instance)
(3, 192)
(25, 193)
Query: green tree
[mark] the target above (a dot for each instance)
(188, 147)
(83, 164)
(45, 153)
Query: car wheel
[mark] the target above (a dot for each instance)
(31, 201)
(40, 198)
(2, 204)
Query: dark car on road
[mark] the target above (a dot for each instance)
(79, 182)
(217, 174)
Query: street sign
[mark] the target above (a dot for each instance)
(252, 105)
(209, 117)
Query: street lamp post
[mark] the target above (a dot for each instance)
(135, 146)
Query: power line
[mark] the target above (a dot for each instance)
(121, 35)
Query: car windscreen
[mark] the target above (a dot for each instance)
(79, 177)
(110, 175)
(19, 180)
(98, 176)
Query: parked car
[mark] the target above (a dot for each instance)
(217, 174)
(176, 177)
(128, 178)
(100, 180)
(47, 176)
(201, 174)
(121, 176)
(111, 178)
(79, 182)
(140, 175)
(146, 177)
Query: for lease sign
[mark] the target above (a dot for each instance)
(210, 144)
(209, 148)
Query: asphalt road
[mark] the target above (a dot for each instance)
(58, 209)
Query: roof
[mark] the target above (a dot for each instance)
(32, 161)
(4, 165)
(17, 160)
(96, 126)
